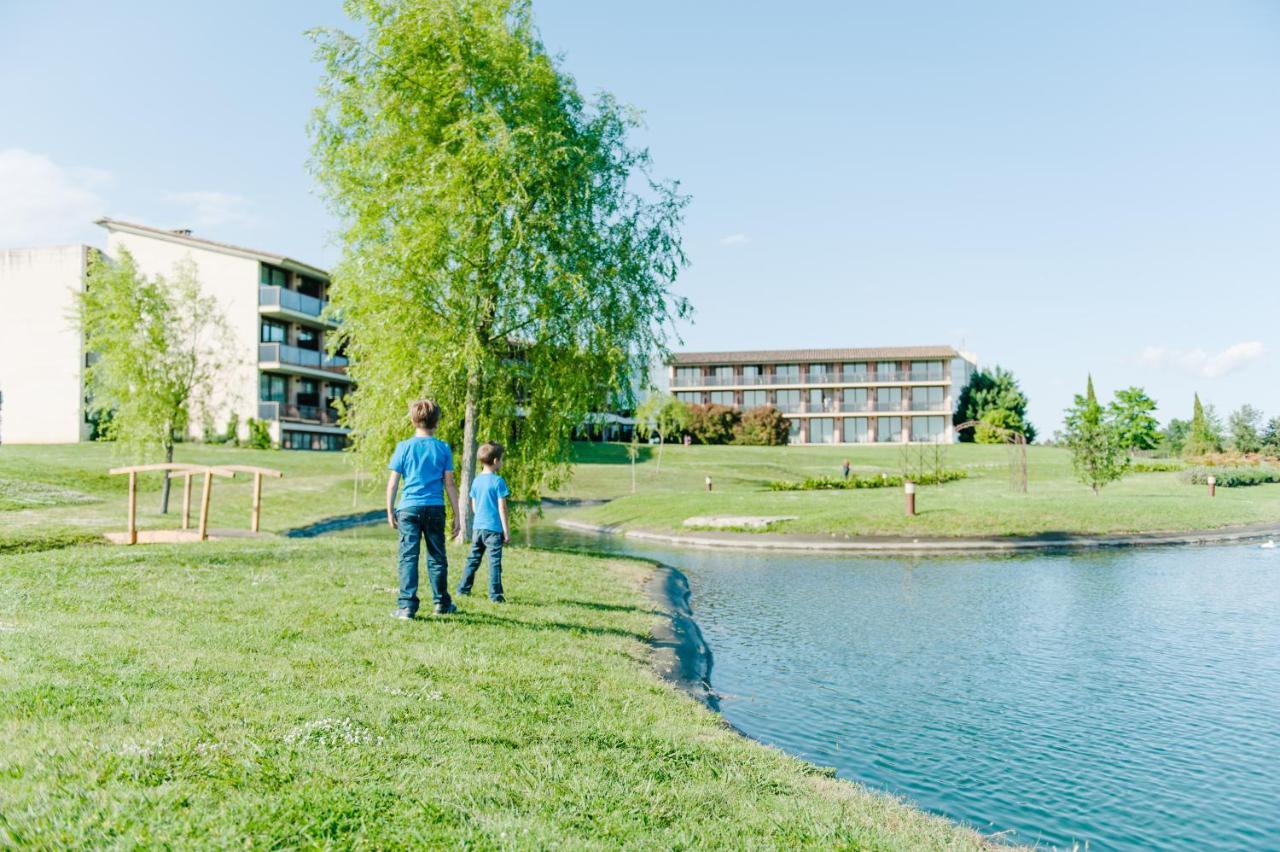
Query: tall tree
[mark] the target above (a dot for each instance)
(989, 390)
(158, 347)
(661, 415)
(1174, 436)
(1244, 426)
(1131, 413)
(1205, 435)
(1271, 437)
(506, 250)
(1096, 450)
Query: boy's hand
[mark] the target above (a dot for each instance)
(455, 529)
(392, 520)
(506, 538)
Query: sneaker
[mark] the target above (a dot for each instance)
(498, 599)
(403, 613)
(445, 609)
(465, 593)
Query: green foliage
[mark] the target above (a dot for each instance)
(988, 390)
(1205, 434)
(259, 434)
(1097, 452)
(712, 424)
(232, 434)
(1155, 466)
(1244, 426)
(762, 427)
(1233, 477)
(995, 425)
(506, 251)
(1130, 412)
(883, 480)
(1174, 436)
(46, 539)
(663, 416)
(1271, 437)
(158, 347)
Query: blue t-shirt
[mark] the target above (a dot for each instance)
(422, 464)
(485, 491)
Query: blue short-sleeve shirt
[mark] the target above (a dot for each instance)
(485, 491)
(422, 464)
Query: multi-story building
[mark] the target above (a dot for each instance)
(891, 395)
(273, 304)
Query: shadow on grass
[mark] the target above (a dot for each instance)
(473, 617)
(607, 607)
(594, 453)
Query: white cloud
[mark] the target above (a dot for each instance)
(42, 202)
(734, 240)
(1201, 363)
(210, 209)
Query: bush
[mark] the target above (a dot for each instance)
(762, 427)
(232, 435)
(259, 434)
(1156, 466)
(1233, 477)
(883, 480)
(712, 424)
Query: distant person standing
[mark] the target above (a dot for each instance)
(844, 469)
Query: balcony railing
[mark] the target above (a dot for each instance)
(270, 410)
(290, 300)
(805, 379)
(282, 353)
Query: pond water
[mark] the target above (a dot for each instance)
(1125, 699)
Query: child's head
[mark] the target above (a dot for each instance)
(425, 414)
(491, 455)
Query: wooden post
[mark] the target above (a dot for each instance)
(257, 502)
(186, 501)
(204, 505)
(909, 488)
(133, 507)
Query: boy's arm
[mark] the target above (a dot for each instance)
(393, 483)
(451, 490)
(502, 513)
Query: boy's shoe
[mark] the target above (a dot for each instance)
(498, 599)
(466, 593)
(403, 613)
(446, 609)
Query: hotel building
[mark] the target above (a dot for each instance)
(889, 395)
(273, 304)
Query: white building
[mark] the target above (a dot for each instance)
(272, 303)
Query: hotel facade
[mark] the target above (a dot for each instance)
(274, 305)
(888, 395)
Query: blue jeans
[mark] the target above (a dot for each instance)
(417, 523)
(481, 541)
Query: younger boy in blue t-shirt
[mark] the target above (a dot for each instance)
(489, 495)
(426, 465)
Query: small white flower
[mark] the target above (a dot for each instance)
(331, 732)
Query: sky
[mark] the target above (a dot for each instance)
(1063, 189)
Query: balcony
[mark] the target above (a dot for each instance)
(323, 416)
(775, 379)
(294, 356)
(272, 299)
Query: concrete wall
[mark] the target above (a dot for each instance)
(41, 359)
(233, 282)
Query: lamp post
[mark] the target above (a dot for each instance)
(1213, 486)
(909, 488)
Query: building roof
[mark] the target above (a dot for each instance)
(185, 238)
(770, 356)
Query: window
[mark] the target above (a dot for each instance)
(309, 286)
(926, 371)
(928, 429)
(822, 430)
(751, 374)
(722, 397)
(272, 388)
(686, 376)
(754, 398)
(793, 431)
(820, 400)
(292, 440)
(818, 372)
(787, 374)
(308, 338)
(853, 399)
(274, 332)
(927, 399)
(857, 430)
(333, 393)
(273, 276)
(308, 392)
(723, 375)
(856, 372)
(888, 399)
(788, 400)
(889, 430)
(887, 371)
(689, 397)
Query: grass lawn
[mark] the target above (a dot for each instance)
(982, 504)
(257, 693)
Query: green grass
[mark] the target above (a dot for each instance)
(256, 693)
(981, 504)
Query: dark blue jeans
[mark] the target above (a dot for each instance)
(418, 523)
(481, 541)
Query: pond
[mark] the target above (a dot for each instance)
(1126, 699)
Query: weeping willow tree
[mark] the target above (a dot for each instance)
(506, 250)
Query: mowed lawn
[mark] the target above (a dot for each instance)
(982, 504)
(256, 693)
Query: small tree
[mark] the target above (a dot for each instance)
(259, 434)
(1131, 415)
(712, 424)
(1244, 426)
(762, 427)
(994, 389)
(159, 348)
(1096, 450)
(1271, 437)
(1205, 435)
(661, 415)
(995, 426)
(1174, 436)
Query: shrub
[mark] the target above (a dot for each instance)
(1156, 466)
(762, 427)
(1233, 477)
(712, 424)
(232, 435)
(259, 434)
(883, 480)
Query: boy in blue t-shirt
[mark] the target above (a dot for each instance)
(489, 495)
(426, 465)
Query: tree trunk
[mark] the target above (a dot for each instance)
(164, 493)
(662, 439)
(470, 443)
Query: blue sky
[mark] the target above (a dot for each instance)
(1061, 188)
